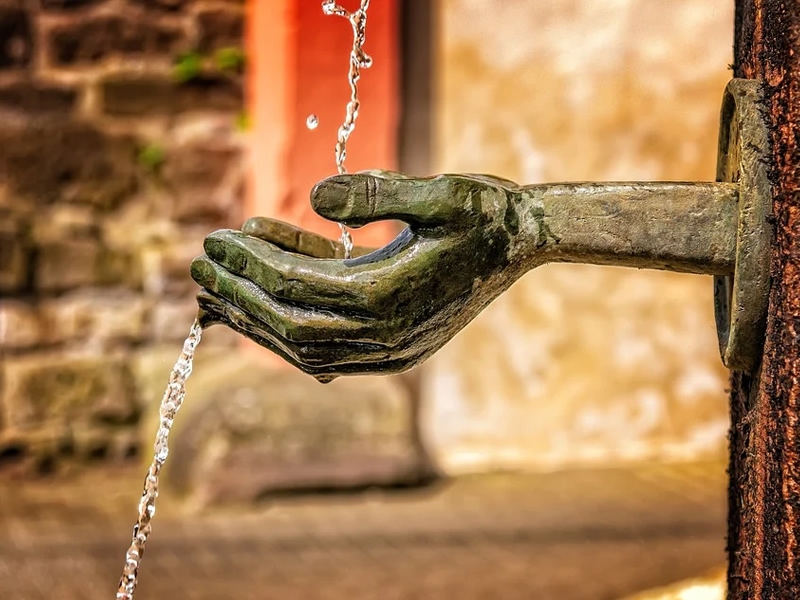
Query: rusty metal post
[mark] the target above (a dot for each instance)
(764, 493)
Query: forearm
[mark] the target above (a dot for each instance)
(688, 227)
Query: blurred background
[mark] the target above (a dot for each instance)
(570, 443)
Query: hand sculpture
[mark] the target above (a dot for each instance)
(469, 237)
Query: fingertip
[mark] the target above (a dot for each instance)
(256, 226)
(331, 198)
(203, 272)
(216, 243)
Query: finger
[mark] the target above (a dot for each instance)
(309, 354)
(362, 198)
(214, 310)
(295, 278)
(295, 323)
(300, 241)
(292, 239)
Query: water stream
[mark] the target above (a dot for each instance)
(358, 60)
(170, 405)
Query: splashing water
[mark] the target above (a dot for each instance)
(358, 60)
(170, 405)
(312, 121)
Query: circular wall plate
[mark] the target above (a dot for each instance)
(740, 300)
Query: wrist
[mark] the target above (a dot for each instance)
(539, 234)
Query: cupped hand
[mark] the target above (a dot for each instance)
(386, 310)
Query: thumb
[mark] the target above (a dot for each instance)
(362, 198)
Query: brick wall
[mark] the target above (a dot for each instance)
(120, 149)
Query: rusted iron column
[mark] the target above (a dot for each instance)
(764, 519)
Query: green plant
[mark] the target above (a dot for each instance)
(187, 66)
(229, 60)
(151, 157)
(243, 121)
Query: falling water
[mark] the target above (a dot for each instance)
(170, 404)
(358, 60)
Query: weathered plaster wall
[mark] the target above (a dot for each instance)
(581, 364)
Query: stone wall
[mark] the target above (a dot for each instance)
(120, 149)
(577, 364)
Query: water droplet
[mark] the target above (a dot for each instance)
(312, 121)
(365, 62)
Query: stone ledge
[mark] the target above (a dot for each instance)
(247, 431)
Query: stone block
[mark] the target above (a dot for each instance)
(131, 95)
(20, 325)
(96, 318)
(164, 5)
(99, 38)
(70, 5)
(64, 221)
(52, 389)
(165, 267)
(211, 92)
(220, 27)
(30, 453)
(117, 266)
(141, 222)
(135, 95)
(37, 99)
(16, 39)
(204, 180)
(245, 432)
(170, 321)
(66, 264)
(14, 255)
(90, 442)
(63, 161)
